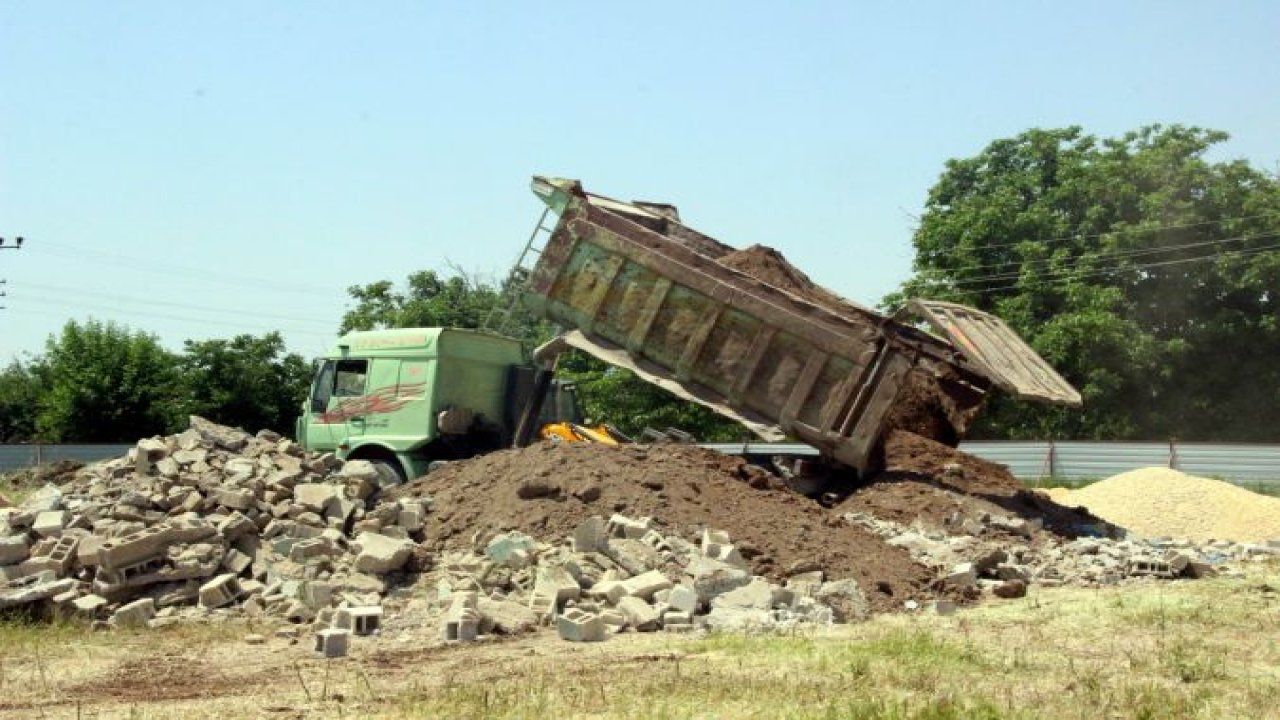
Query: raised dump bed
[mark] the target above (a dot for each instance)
(640, 290)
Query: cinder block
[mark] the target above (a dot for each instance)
(364, 620)
(135, 547)
(577, 625)
(332, 642)
(222, 590)
(462, 621)
(590, 536)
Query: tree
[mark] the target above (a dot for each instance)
(248, 382)
(19, 396)
(427, 301)
(1143, 271)
(101, 382)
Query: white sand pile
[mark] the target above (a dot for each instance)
(1159, 502)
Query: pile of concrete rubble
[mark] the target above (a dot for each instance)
(212, 518)
(214, 522)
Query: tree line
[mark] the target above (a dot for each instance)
(1143, 270)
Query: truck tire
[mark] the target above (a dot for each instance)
(389, 473)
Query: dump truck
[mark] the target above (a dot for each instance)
(634, 286)
(409, 397)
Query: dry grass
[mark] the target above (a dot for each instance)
(1207, 649)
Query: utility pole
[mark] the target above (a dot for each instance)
(6, 245)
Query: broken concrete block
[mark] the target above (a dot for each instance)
(46, 499)
(134, 614)
(315, 496)
(712, 577)
(590, 536)
(50, 523)
(621, 526)
(505, 616)
(682, 598)
(758, 594)
(14, 549)
(222, 590)
(89, 605)
(639, 614)
(577, 625)
(646, 584)
(557, 583)
(333, 642)
(234, 498)
(846, 600)
(316, 594)
(511, 549)
(379, 554)
(632, 555)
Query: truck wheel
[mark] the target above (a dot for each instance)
(389, 473)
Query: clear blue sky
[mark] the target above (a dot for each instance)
(202, 170)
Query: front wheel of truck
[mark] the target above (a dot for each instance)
(389, 473)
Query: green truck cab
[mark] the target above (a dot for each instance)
(408, 397)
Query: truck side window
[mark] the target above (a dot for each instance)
(323, 388)
(350, 378)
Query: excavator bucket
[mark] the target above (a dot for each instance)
(990, 345)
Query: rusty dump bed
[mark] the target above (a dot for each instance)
(640, 290)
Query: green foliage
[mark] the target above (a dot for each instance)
(102, 382)
(1141, 270)
(248, 382)
(19, 395)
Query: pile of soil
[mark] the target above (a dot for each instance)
(770, 267)
(547, 491)
(1160, 502)
(928, 481)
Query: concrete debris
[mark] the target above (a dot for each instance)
(214, 522)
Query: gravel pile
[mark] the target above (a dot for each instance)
(1160, 502)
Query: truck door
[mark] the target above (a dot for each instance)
(337, 403)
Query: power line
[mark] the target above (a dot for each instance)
(1112, 256)
(1116, 253)
(71, 252)
(181, 306)
(139, 313)
(1120, 231)
(1068, 276)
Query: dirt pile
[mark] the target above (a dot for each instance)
(1160, 502)
(547, 491)
(769, 266)
(927, 481)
